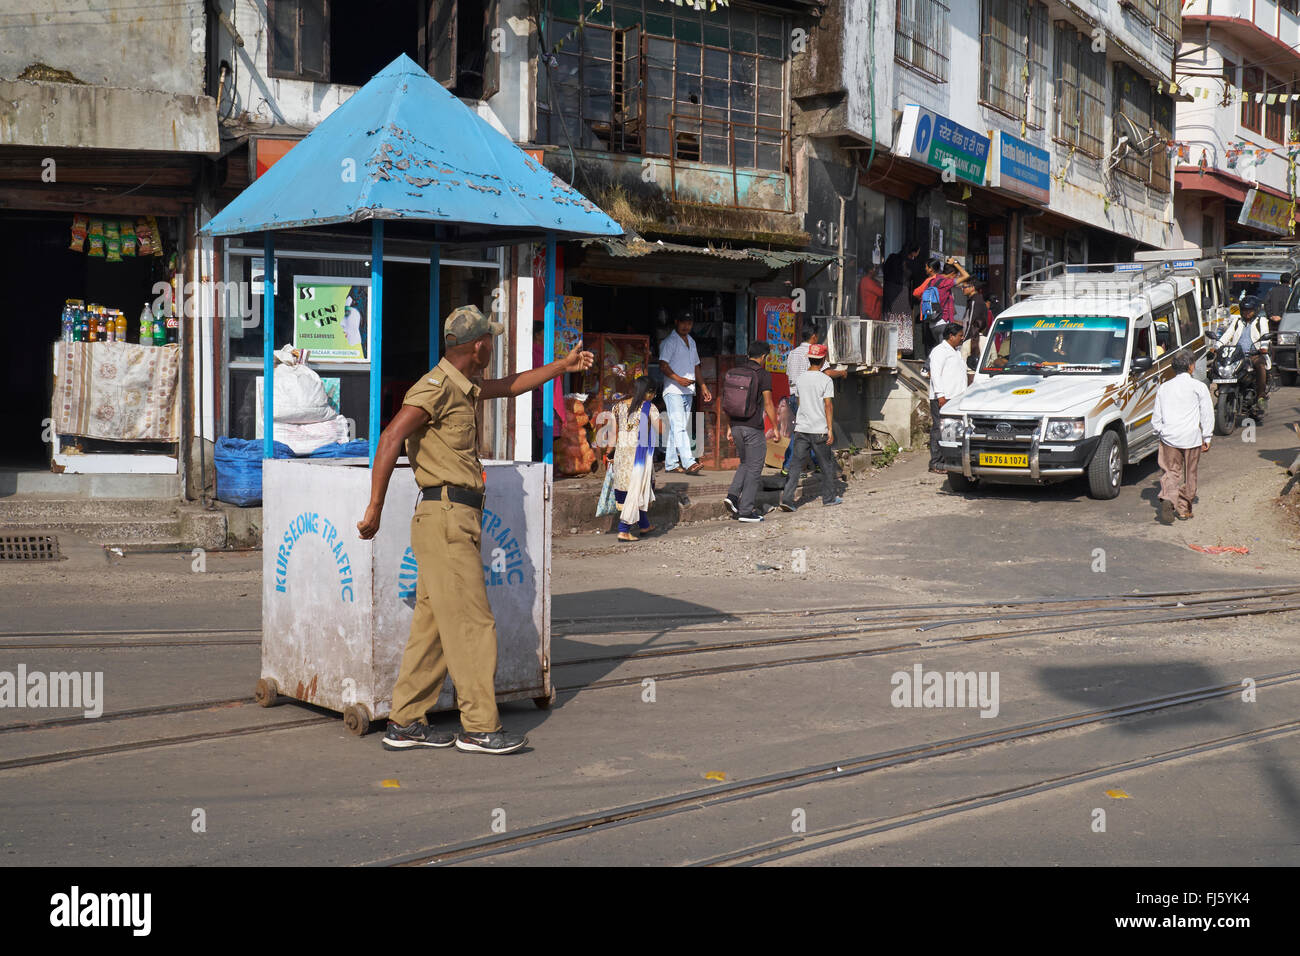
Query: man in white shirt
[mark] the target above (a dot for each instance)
(813, 429)
(679, 360)
(1183, 420)
(947, 382)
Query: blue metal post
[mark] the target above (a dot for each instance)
(376, 331)
(435, 275)
(548, 354)
(268, 344)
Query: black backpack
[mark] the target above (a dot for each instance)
(740, 392)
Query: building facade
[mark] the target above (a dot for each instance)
(1238, 120)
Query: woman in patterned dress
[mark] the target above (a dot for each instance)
(637, 431)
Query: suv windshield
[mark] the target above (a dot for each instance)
(1042, 344)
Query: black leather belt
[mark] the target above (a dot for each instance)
(460, 496)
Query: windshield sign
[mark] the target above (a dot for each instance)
(1046, 345)
(1242, 284)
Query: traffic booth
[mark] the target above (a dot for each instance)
(336, 610)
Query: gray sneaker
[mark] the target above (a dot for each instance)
(838, 501)
(416, 735)
(497, 743)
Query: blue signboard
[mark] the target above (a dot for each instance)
(939, 142)
(1020, 167)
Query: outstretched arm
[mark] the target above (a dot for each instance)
(387, 451)
(526, 381)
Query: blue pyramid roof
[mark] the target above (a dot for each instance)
(404, 148)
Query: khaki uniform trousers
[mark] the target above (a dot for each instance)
(1178, 483)
(453, 630)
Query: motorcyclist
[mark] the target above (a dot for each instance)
(1248, 330)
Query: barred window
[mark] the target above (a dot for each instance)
(1080, 92)
(921, 37)
(1169, 20)
(1275, 112)
(1252, 82)
(1013, 59)
(653, 79)
(1150, 117)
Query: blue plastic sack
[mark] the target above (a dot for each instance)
(239, 469)
(358, 448)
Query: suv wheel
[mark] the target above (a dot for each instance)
(1106, 470)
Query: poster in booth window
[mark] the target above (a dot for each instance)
(776, 323)
(331, 318)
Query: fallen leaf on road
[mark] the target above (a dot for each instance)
(1118, 794)
(390, 784)
(1218, 549)
(716, 775)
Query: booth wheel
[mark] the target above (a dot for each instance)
(544, 703)
(267, 692)
(356, 718)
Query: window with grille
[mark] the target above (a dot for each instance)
(1169, 20)
(1080, 91)
(1013, 59)
(1275, 112)
(921, 37)
(1252, 82)
(654, 79)
(1150, 119)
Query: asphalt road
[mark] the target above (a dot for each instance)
(797, 752)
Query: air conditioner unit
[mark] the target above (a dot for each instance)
(879, 344)
(844, 341)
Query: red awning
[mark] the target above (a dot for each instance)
(1191, 179)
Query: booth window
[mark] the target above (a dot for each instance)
(649, 79)
(1013, 60)
(1080, 92)
(1252, 82)
(921, 37)
(298, 49)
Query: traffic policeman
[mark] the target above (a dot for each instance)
(452, 630)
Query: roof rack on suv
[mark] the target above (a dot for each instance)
(1067, 279)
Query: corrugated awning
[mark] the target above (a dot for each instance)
(638, 248)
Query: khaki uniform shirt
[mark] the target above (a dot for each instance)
(444, 451)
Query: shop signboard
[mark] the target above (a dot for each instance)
(776, 320)
(937, 141)
(1265, 211)
(331, 318)
(1021, 168)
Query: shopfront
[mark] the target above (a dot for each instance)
(88, 386)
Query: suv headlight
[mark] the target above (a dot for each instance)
(1065, 429)
(950, 429)
(1287, 338)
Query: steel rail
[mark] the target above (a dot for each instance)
(585, 824)
(126, 714)
(953, 808)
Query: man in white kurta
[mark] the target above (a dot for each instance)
(1183, 420)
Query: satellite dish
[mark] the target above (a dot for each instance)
(1137, 141)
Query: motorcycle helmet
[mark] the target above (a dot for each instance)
(1250, 303)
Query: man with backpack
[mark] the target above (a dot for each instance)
(746, 397)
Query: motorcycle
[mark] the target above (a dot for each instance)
(1234, 379)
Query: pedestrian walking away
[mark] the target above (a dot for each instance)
(1183, 420)
(813, 429)
(746, 398)
(452, 630)
(947, 382)
(1275, 301)
(679, 360)
(637, 428)
(796, 363)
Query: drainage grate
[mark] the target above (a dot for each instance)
(29, 547)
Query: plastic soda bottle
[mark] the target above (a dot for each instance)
(67, 323)
(159, 328)
(146, 326)
(119, 318)
(93, 327)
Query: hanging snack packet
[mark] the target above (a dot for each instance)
(128, 238)
(157, 236)
(144, 237)
(113, 240)
(79, 224)
(96, 236)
